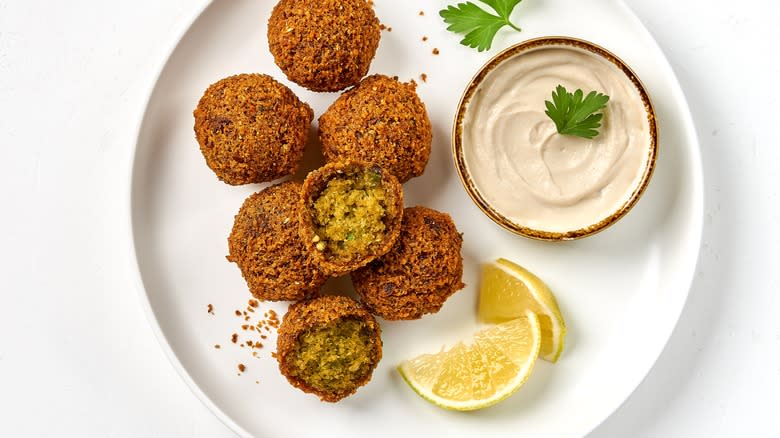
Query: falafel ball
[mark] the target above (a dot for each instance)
(251, 129)
(422, 270)
(380, 121)
(328, 346)
(266, 245)
(323, 45)
(350, 214)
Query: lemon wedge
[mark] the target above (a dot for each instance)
(492, 367)
(508, 290)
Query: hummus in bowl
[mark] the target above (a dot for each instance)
(526, 176)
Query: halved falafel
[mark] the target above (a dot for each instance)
(266, 245)
(350, 214)
(323, 45)
(328, 346)
(380, 121)
(251, 129)
(421, 271)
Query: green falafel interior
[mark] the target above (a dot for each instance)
(349, 214)
(333, 357)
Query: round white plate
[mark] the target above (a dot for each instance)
(620, 291)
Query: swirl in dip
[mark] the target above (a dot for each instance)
(541, 180)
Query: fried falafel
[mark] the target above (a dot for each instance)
(251, 129)
(380, 121)
(328, 346)
(323, 45)
(266, 245)
(421, 271)
(350, 214)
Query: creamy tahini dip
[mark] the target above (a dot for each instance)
(534, 176)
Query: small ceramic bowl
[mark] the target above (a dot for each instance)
(645, 163)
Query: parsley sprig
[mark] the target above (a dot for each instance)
(575, 115)
(479, 25)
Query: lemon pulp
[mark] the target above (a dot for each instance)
(472, 376)
(507, 290)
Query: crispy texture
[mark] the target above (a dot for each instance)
(251, 129)
(380, 121)
(423, 269)
(317, 313)
(316, 182)
(323, 45)
(266, 245)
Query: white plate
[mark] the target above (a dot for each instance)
(621, 291)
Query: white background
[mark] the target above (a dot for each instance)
(77, 356)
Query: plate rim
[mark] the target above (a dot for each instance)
(697, 210)
(697, 213)
(142, 294)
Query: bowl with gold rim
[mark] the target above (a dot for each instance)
(532, 177)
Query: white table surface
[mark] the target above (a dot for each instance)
(78, 358)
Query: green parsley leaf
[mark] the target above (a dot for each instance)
(575, 115)
(479, 25)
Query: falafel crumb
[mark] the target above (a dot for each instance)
(424, 38)
(268, 320)
(241, 367)
(422, 13)
(436, 51)
(424, 77)
(273, 318)
(210, 309)
(238, 313)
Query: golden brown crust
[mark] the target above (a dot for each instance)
(266, 245)
(316, 182)
(323, 45)
(319, 312)
(423, 269)
(251, 129)
(380, 121)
